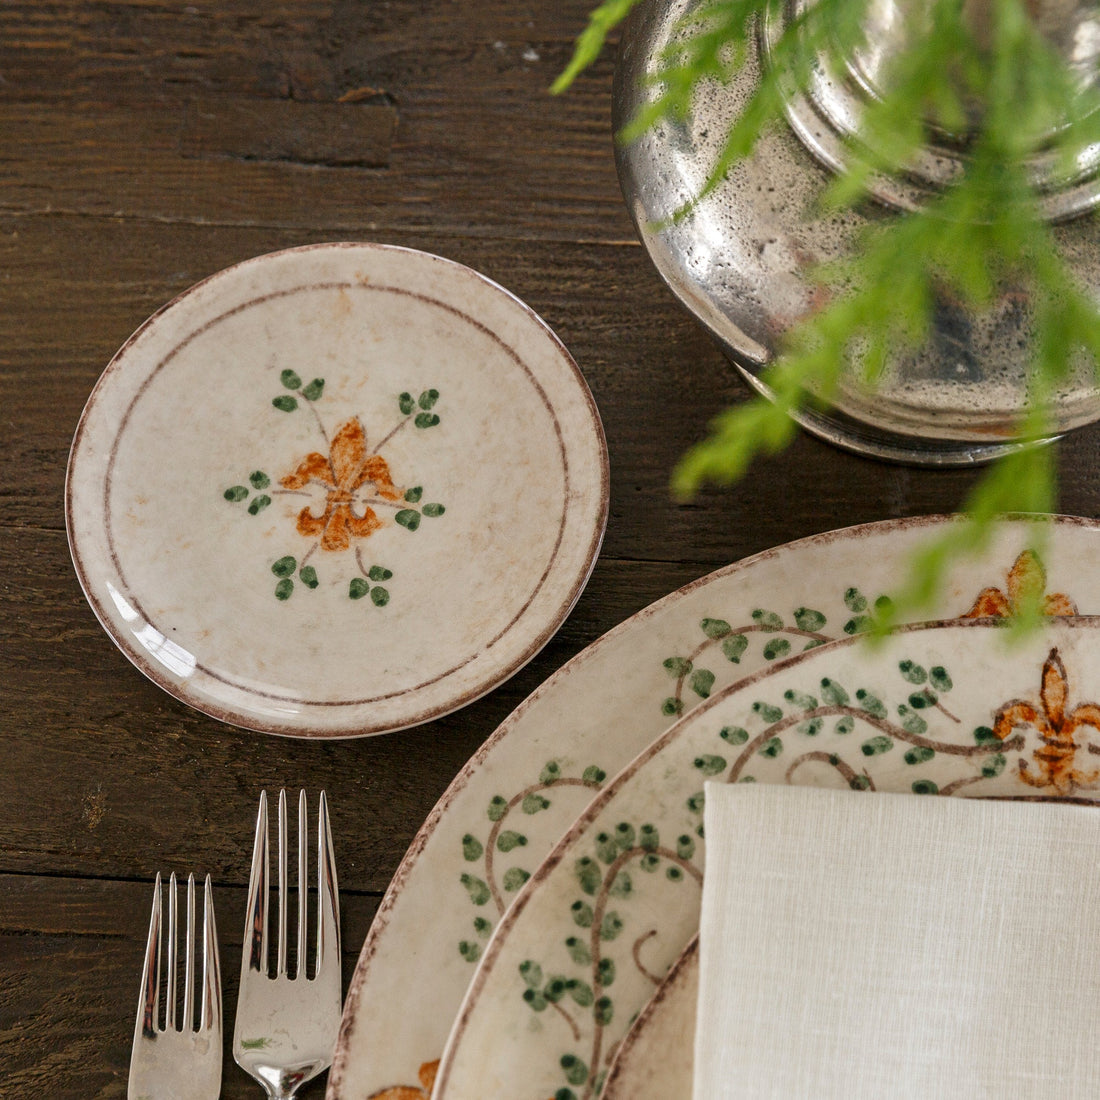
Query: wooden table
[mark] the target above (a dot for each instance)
(147, 144)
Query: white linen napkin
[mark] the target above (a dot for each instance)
(884, 945)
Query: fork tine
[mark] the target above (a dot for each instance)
(149, 1002)
(303, 883)
(281, 968)
(173, 961)
(255, 927)
(328, 908)
(210, 1014)
(188, 1023)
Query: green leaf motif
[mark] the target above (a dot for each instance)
(625, 835)
(710, 765)
(581, 992)
(406, 403)
(589, 875)
(775, 648)
(285, 403)
(433, 510)
(844, 725)
(259, 480)
(592, 774)
(672, 706)
(258, 504)
(379, 596)
(469, 950)
(408, 518)
(876, 746)
(622, 887)
(498, 807)
(606, 972)
(648, 837)
(531, 973)
(533, 803)
(919, 754)
(767, 620)
(413, 495)
(576, 1072)
(378, 573)
(734, 647)
(578, 951)
(771, 748)
(427, 399)
(983, 735)
(855, 601)
(236, 494)
(358, 588)
(767, 712)
(735, 735)
(603, 1011)
(685, 846)
(800, 699)
(426, 420)
(284, 567)
(514, 878)
(925, 786)
(290, 379)
(308, 576)
(678, 666)
(940, 679)
(284, 589)
(482, 927)
(611, 927)
(472, 848)
(872, 704)
(607, 851)
(582, 914)
(702, 680)
(806, 618)
(993, 767)
(477, 889)
(833, 693)
(913, 672)
(551, 773)
(313, 391)
(509, 839)
(716, 628)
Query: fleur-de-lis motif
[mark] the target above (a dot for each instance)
(1026, 584)
(346, 469)
(1056, 725)
(426, 1074)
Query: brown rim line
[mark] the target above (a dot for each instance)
(494, 676)
(592, 652)
(596, 807)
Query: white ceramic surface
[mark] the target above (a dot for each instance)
(524, 788)
(938, 710)
(337, 490)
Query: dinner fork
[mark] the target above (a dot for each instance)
(286, 1026)
(174, 1058)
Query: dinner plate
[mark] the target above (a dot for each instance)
(937, 710)
(337, 490)
(520, 792)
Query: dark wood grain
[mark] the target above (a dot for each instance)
(148, 144)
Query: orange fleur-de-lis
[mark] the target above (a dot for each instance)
(1056, 726)
(1026, 582)
(346, 470)
(426, 1074)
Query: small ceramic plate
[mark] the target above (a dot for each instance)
(337, 490)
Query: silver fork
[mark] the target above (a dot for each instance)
(171, 1057)
(286, 1026)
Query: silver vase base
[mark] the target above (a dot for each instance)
(871, 441)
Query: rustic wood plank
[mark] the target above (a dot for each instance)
(71, 952)
(99, 101)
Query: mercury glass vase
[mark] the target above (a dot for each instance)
(742, 260)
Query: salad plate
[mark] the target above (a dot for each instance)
(337, 490)
(936, 710)
(523, 789)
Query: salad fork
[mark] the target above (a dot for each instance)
(174, 1058)
(286, 1026)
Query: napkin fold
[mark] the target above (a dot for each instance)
(860, 944)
